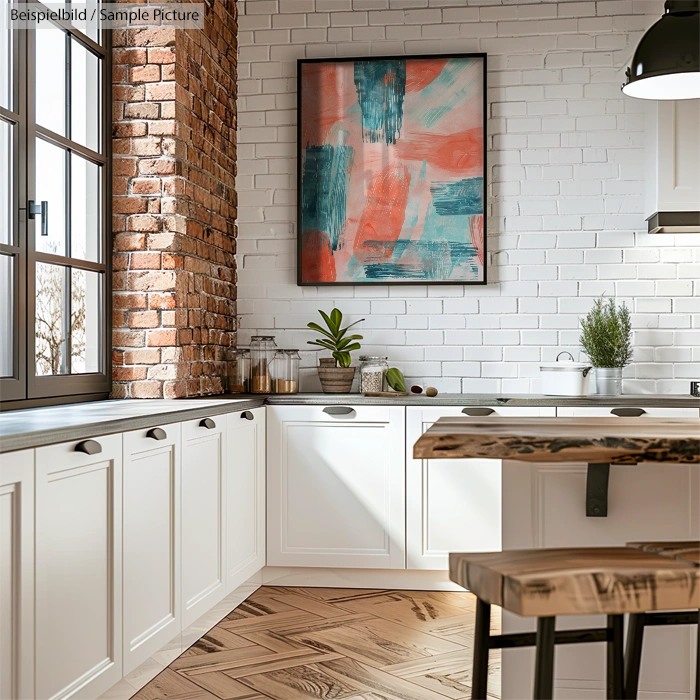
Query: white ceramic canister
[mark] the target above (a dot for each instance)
(565, 378)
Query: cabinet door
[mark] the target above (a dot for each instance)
(452, 505)
(245, 496)
(203, 516)
(17, 575)
(151, 516)
(336, 486)
(78, 570)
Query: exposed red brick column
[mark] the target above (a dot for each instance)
(174, 206)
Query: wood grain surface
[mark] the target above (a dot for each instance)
(333, 643)
(686, 550)
(585, 439)
(580, 581)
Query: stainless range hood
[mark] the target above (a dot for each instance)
(674, 222)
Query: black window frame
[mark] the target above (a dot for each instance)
(24, 388)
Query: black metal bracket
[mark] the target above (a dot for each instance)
(597, 479)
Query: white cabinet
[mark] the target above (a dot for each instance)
(672, 156)
(17, 575)
(151, 517)
(336, 486)
(203, 516)
(245, 495)
(452, 505)
(78, 570)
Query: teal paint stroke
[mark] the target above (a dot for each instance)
(441, 96)
(463, 197)
(381, 86)
(324, 188)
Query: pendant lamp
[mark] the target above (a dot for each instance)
(666, 64)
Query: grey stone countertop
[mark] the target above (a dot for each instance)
(641, 400)
(35, 427)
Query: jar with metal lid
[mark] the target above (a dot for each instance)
(238, 371)
(285, 372)
(262, 352)
(373, 369)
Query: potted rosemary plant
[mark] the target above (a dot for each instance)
(335, 373)
(606, 337)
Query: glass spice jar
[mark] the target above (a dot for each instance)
(239, 371)
(262, 352)
(373, 369)
(285, 372)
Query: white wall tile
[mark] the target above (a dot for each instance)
(566, 189)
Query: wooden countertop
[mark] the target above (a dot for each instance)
(593, 440)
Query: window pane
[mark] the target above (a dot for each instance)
(51, 79)
(86, 322)
(7, 299)
(51, 188)
(85, 96)
(5, 56)
(6, 181)
(91, 25)
(51, 319)
(86, 227)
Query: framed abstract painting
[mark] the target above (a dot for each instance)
(392, 170)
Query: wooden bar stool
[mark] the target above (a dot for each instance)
(685, 551)
(545, 583)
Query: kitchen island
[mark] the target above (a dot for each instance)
(642, 475)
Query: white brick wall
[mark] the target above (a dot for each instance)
(565, 224)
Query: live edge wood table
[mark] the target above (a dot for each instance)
(655, 495)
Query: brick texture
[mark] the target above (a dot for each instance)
(565, 200)
(174, 206)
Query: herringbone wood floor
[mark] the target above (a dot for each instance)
(332, 643)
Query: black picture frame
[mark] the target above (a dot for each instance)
(301, 62)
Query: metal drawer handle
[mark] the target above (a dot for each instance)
(477, 411)
(344, 411)
(89, 447)
(247, 415)
(157, 434)
(207, 423)
(628, 412)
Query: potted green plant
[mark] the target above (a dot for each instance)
(335, 372)
(606, 338)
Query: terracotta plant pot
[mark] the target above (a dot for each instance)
(336, 380)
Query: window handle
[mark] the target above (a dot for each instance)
(43, 210)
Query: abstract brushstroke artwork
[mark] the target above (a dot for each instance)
(391, 170)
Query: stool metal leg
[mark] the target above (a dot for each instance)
(633, 654)
(544, 659)
(480, 666)
(615, 660)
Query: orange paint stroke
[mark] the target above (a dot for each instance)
(420, 74)
(317, 263)
(461, 153)
(384, 213)
(476, 227)
(323, 101)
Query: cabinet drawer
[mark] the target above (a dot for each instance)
(336, 413)
(613, 410)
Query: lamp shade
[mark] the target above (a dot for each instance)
(666, 63)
